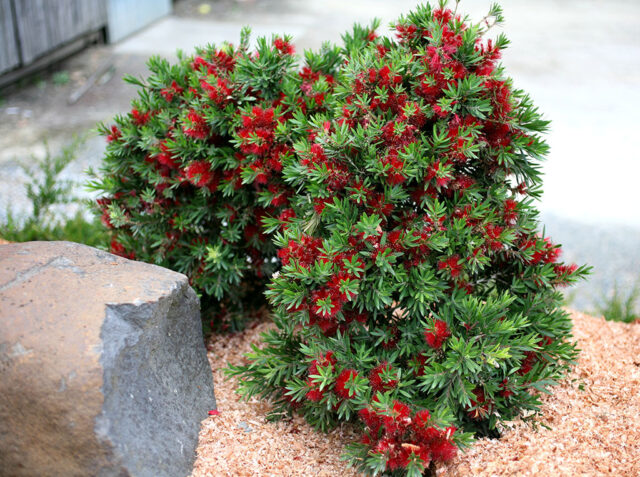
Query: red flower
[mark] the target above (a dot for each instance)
(340, 387)
(219, 92)
(505, 392)
(199, 173)
(315, 395)
(196, 126)
(139, 119)
(166, 157)
(480, 406)
(168, 93)
(118, 249)
(115, 134)
(436, 337)
(442, 447)
(510, 212)
(377, 381)
(452, 265)
(283, 46)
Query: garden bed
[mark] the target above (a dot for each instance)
(593, 416)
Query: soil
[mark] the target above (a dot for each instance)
(589, 426)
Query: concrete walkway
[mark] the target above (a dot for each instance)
(579, 60)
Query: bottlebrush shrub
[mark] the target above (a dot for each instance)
(416, 297)
(193, 168)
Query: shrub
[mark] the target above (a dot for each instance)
(618, 308)
(416, 297)
(193, 168)
(45, 191)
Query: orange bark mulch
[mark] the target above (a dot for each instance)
(593, 415)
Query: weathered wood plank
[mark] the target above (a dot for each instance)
(32, 28)
(9, 53)
(44, 25)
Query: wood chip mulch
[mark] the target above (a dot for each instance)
(593, 415)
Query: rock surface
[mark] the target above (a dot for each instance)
(103, 369)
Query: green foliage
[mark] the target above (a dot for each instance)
(45, 190)
(619, 308)
(60, 78)
(416, 295)
(384, 195)
(75, 229)
(193, 171)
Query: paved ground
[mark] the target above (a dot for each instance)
(579, 59)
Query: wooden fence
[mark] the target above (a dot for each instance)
(31, 30)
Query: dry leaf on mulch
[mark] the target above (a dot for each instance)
(594, 416)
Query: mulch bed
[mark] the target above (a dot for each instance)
(593, 416)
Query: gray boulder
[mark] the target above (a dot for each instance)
(103, 368)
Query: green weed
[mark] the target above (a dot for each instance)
(45, 189)
(619, 308)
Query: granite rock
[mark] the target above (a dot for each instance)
(103, 368)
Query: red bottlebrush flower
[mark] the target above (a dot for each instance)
(493, 236)
(547, 253)
(286, 215)
(396, 166)
(406, 32)
(315, 395)
(521, 188)
(196, 126)
(320, 204)
(505, 392)
(436, 336)
(118, 249)
(219, 92)
(115, 134)
(105, 218)
(421, 419)
(199, 173)
(224, 62)
(452, 265)
(480, 406)
(400, 411)
(283, 46)
(199, 62)
(371, 419)
(563, 272)
(443, 448)
(528, 362)
(166, 157)
(419, 365)
(510, 212)
(376, 380)
(397, 418)
(139, 119)
(340, 387)
(326, 304)
(442, 16)
(170, 92)
(395, 239)
(214, 412)
(463, 182)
